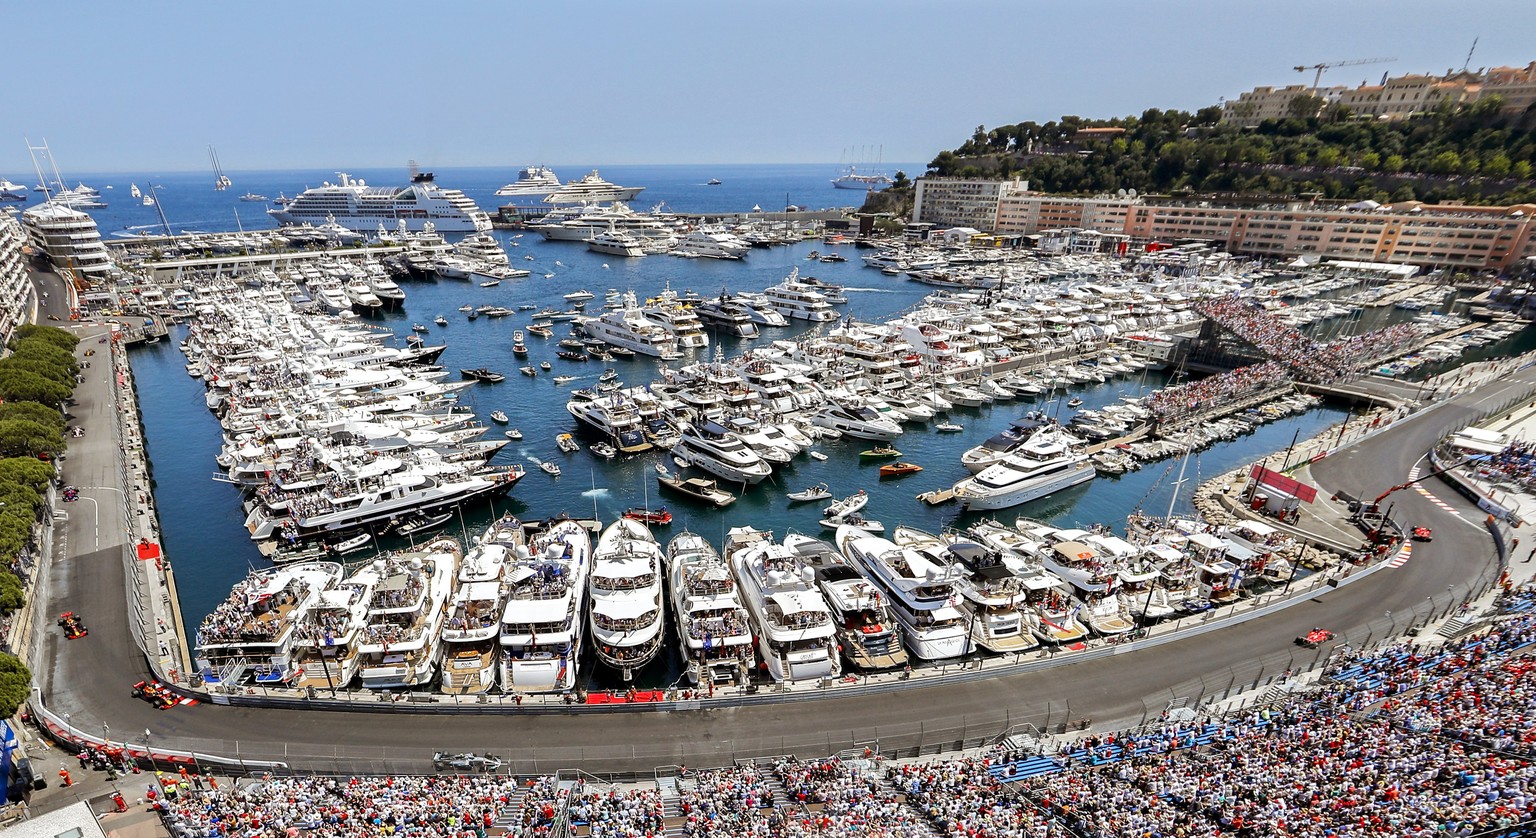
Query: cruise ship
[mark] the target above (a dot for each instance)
(590, 189)
(1046, 464)
(357, 206)
(921, 592)
(532, 182)
(541, 629)
(852, 179)
(402, 641)
(250, 636)
(624, 596)
(474, 620)
(795, 633)
(716, 637)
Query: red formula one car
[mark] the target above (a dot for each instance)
(1423, 534)
(155, 693)
(1314, 638)
(72, 625)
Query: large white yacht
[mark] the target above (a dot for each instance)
(798, 300)
(992, 451)
(251, 634)
(474, 619)
(629, 328)
(614, 415)
(1046, 464)
(357, 206)
(711, 244)
(325, 652)
(922, 592)
(670, 313)
(69, 237)
(867, 631)
(624, 593)
(994, 597)
(541, 630)
(532, 182)
(795, 633)
(716, 637)
(591, 188)
(710, 446)
(402, 642)
(616, 243)
(856, 420)
(588, 221)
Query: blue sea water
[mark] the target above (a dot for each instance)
(201, 519)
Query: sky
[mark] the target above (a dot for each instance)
(148, 86)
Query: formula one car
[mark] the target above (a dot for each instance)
(466, 762)
(1314, 638)
(72, 625)
(1423, 534)
(155, 693)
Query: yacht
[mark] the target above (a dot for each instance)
(615, 243)
(867, 182)
(325, 652)
(13, 191)
(993, 594)
(541, 629)
(713, 624)
(614, 416)
(921, 592)
(579, 225)
(799, 301)
(68, 237)
(713, 448)
(252, 632)
(385, 289)
(711, 244)
(728, 316)
(591, 188)
(1046, 464)
(795, 633)
(532, 182)
(470, 635)
(625, 597)
(678, 319)
(357, 206)
(867, 631)
(994, 449)
(628, 327)
(402, 641)
(856, 420)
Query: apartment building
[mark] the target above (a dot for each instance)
(1453, 236)
(1266, 102)
(1393, 98)
(962, 202)
(15, 287)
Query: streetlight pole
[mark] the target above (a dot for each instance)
(147, 753)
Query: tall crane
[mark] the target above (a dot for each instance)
(1318, 77)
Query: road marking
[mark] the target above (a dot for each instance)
(1413, 474)
(1402, 556)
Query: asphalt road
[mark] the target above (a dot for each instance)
(90, 678)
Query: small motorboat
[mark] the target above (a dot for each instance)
(499, 417)
(514, 433)
(564, 379)
(440, 320)
(422, 523)
(621, 352)
(473, 314)
(817, 455)
(418, 327)
(817, 492)
(518, 347)
(847, 506)
(483, 374)
(899, 469)
(490, 283)
(356, 542)
(659, 516)
(527, 307)
(879, 452)
(853, 520)
(567, 443)
(551, 469)
(544, 365)
(603, 449)
(1075, 402)
(541, 330)
(949, 427)
(698, 488)
(661, 469)
(466, 307)
(528, 371)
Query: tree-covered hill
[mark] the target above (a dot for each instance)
(1470, 153)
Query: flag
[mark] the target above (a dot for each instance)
(709, 641)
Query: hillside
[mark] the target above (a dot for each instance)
(1471, 153)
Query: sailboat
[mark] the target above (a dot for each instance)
(221, 181)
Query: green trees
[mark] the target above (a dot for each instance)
(15, 684)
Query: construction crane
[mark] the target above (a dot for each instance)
(1318, 77)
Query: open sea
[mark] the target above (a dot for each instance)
(201, 519)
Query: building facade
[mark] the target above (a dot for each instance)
(962, 202)
(15, 287)
(1266, 102)
(1394, 98)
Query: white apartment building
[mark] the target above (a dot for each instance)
(69, 238)
(962, 202)
(15, 287)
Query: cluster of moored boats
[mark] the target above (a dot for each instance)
(515, 612)
(332, 433)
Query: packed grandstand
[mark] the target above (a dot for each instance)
(1403, 740)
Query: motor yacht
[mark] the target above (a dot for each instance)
(921, 592)
(532, 182)
(401, 644)
(727, 315)
(542, 626)
(795, 633)
(473, 626)
(624, 591)
(799, 301)
(717, 450)
(630, 328)
(993, 595)
(616, 243)
(867, 631)
(325, 651)
(712, 622)
(1042, 466)
(856, 420)
(250, 636)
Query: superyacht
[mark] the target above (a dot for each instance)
(532, 182)
(720, 452)
(252, 633)
(921, 591)
(867, 631)
(402, 642)
(474, 620)
(795, 632)
(1047, 463)
(541, 630)
(625, 601)
(716, 637)
(590, 189)
(628, 327)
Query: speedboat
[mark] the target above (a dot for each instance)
(847, 506)
(899, 469)
(817, 492)
(499, 417)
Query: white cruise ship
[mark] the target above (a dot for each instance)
(590, 189)
(250, 636)
(357, 206)
(402, 642)
(922, 592)
(532, 182)
(541, 629)
(716, 637)
(1046, 464)
(624, 596)
(713, 448)
(795, 633)
(474, 620)
(629, 328)
(798, 300)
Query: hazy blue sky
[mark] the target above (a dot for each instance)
(149, 85)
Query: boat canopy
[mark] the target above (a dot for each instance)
(796, 602)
